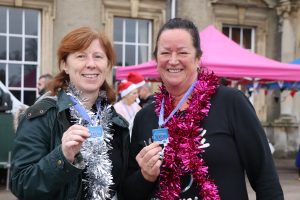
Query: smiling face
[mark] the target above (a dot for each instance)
(88, 68)
(176, 60)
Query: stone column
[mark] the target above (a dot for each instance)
(286, 127)
(288, 40)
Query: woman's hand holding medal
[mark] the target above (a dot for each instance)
(149, 161)
(72, 140)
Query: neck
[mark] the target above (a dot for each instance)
(90, 99)
(126, 101)
(178, 92)
(177, 99)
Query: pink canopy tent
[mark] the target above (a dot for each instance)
(226, 59)
(147, 69)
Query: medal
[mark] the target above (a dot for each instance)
(96, 132)
(161, 136)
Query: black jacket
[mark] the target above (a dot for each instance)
(238, 146)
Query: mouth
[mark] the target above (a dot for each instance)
(174, 70)
(90, 75)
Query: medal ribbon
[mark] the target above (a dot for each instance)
(161, 121)
(82, 111)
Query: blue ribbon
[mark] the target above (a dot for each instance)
(161, 121)
(82, 111)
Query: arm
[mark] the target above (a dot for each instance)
(37, 171)
(136, 187)
(254, 150)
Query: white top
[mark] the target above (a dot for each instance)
(127, 111)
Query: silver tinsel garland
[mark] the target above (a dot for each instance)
(95, 150)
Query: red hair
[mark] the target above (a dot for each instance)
(78, 40)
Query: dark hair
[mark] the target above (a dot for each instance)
(78, 40)
(179, 23)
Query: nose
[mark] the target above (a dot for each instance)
(173, 59)
(90, 62)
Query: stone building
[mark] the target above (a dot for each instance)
(30, 31)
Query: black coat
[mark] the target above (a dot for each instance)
(238, 145)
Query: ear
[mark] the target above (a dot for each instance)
(65, 67)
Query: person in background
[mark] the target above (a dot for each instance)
(127, 106)
(199, 139)
(42, 84)
(298, 163)
(145, 94)
(5, 101)
(71, 144)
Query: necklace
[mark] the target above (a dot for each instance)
(182, 155)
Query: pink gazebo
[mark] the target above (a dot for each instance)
(226, 59)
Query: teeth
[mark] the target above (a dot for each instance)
(90, 75)
(174, 70)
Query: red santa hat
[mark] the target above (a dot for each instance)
(125, 87)
(136, 78)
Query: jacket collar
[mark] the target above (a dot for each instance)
(64, 102)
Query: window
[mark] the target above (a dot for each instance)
(244, 36)
(132, 40)
(19, 51)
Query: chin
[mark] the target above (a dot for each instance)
(173, 81)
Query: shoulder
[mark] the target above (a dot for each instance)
(146, 111)
(118, 105)
(120, 126)
(136, 106)
(224, 93)
(117, 119)
(41, 107)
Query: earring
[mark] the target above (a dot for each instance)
(198, 69)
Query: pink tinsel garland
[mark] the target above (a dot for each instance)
(182, 155)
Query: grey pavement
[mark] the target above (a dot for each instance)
(285, 167)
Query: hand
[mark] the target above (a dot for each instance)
(149, 162)
(72, 140)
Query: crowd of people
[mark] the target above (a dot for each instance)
(193, 139)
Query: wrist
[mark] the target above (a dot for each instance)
(148, 177)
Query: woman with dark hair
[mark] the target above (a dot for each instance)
(198, 139)
(71, 144)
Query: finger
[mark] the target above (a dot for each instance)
(70, 144)
(148, 148)
(152, 161)
(77, 138)
(152, 173)
(83, 133)
(149, 160)
(77, 127)
(152, 153)
(157, 164)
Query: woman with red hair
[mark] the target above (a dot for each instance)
(71, 144)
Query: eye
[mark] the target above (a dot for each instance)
(80, 56)
(183, 52)
(98, 56)
(164, 53)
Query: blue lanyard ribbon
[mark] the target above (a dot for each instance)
(161, 121)
(82, 111)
